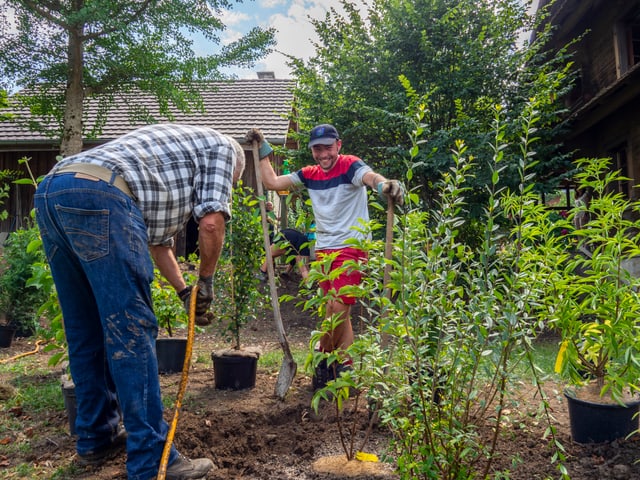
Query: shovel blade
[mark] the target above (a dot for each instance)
(285, 377)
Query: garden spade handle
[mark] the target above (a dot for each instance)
(388, 255)
(388, 247)
(288, 367)
(164, 460)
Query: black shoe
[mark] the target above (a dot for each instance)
(109, 451)
(320, 376)
(185, 469)
(262, 276)
(323, 373)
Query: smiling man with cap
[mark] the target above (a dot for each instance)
(337, 188)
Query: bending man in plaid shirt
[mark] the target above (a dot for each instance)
(100, 213)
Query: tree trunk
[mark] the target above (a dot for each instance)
(72, 128)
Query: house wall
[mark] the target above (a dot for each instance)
(606, 102)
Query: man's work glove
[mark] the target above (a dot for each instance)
(391, 189)
(204, 298)
(264, 149)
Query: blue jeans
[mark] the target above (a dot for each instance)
(95, 240)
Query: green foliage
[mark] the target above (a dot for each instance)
(238, 298)
(455, 58)
(460, 322)
(117, 46)
(18, 299)
(595, 303)
(167, 306)
(4, 103)
(346, 385)
(448, 336)
(6, 177)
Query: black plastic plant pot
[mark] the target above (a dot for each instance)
(69, 397)
(7, 333)
(171, 353)
(593, 422)
(235, 369)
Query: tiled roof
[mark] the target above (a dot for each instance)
(232, 108)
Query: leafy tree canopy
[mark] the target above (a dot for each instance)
(460, 58)
(70, 50)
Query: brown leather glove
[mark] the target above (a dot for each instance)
(254, 134)
(204, 296)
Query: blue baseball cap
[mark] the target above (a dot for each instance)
(324, 134)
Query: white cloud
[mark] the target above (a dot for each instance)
(294, 33)
(232, 17)
(272, 3)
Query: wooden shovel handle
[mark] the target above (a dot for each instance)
(267, 248)
(388, 248)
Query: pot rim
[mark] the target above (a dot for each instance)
(570, 394)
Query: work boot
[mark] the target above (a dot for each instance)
(99, 456)
(321, 376)
(185, 469)
(324, 373)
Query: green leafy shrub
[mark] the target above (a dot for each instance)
(595, 304)
(167, 306)
(238, 298)
(18, 299)
(460, 320)
(441, 357)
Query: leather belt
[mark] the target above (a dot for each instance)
(98, 173)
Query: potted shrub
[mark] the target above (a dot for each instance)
(237, 293)
(7, 331)
(171, 315)
(20, 300)
(595, 307)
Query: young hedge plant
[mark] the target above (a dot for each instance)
(443, 352)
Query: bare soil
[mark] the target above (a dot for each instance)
(253, 435)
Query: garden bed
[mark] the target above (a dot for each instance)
(253, 435)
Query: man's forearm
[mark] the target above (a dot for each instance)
(210, 240)
(166, 262)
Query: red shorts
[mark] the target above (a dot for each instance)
(349, 276)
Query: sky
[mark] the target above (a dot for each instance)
(294, 33)
(290, 19)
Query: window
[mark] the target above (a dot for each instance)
(633, 44)
(627, 45)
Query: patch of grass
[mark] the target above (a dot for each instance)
(546, 350)
(203, 358)
(29, 470)
(272, 360)
(65, 472)
(42, 395)
(31, 393)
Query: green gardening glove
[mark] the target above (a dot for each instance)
(391, 189)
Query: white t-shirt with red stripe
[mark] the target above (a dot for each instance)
(338, 198)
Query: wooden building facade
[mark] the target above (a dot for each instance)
(604, 106)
